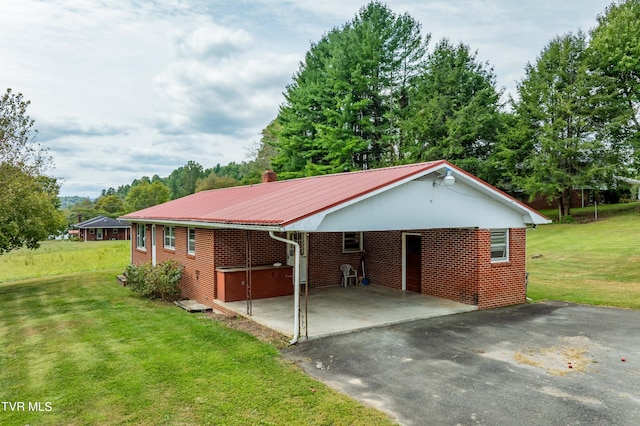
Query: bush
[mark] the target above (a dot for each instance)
(155, 282)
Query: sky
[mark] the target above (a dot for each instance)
(121, 89)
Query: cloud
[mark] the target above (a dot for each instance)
(52, 130)
(221, 82)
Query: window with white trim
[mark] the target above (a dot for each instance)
(499, 245)
(191, 241)
(141, 236)
(170, 237)
(351, 242)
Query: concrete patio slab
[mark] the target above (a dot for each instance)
(338, 310)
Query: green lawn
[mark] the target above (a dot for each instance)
(95, 354)
(90, 352)
(64, 257)
(595, 263)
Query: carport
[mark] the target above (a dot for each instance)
(337, 310)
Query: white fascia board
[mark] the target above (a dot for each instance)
(207, 225)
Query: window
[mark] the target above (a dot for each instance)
(351, 242)
(141, 236)
(191, 241)
(115, 231)
(499, 245)
(170, 237)
(92, 231)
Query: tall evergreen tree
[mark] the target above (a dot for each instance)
(614, 61)
(557, 145)
(455, 110)
(341, 108)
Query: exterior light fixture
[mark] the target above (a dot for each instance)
(448, 178)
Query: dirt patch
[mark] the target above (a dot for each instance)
(571, 355)
(262, 333)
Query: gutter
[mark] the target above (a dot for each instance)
(207, 225)
(296, 286)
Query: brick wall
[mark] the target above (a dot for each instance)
(107, 234)
(383, 258)
(456, 263)
(504, 283)
(450, 264)
(325, 257)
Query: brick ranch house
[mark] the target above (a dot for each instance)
(429, 228)
(103, 228)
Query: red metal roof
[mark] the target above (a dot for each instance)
(281, 202)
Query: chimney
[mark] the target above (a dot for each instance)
(269, 176)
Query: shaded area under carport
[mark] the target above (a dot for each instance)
(337, 310)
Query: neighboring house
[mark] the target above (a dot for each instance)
(103, 228)
(429, 228)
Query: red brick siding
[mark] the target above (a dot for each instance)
(325, 257)
(383, 259)
(450, 264)
(107, 234)
(456, 263)
(502, 284)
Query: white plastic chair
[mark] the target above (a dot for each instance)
(347, 273)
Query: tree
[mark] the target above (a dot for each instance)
(29, 207)
(183, 180)
(342, 108)
(110, 205)
(557, 139)
(455, 110)
(214, 181)
(146, 194)
(614, 60)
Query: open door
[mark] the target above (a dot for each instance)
(413, 262)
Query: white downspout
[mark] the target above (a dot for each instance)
(296, 286)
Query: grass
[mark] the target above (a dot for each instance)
(95, 354)
(64, 257)
(594, 263)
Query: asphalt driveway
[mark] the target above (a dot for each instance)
(550, 363)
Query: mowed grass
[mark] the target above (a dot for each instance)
(594, 263)
(90, 352)
(57, 257)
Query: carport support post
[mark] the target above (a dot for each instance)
(296, 285)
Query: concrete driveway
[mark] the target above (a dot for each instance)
(497, 367)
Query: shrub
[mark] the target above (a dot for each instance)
(155, 282)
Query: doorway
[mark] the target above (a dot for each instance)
(412, 262)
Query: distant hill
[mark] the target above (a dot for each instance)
(66, 202)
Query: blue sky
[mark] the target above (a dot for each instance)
(120, 89)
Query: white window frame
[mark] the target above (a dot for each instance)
(191, 243)
(499, 245)
(352, 239)
(114, 231)
(169, 237)
(141, 236)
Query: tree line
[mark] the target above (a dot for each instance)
(373, 93)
